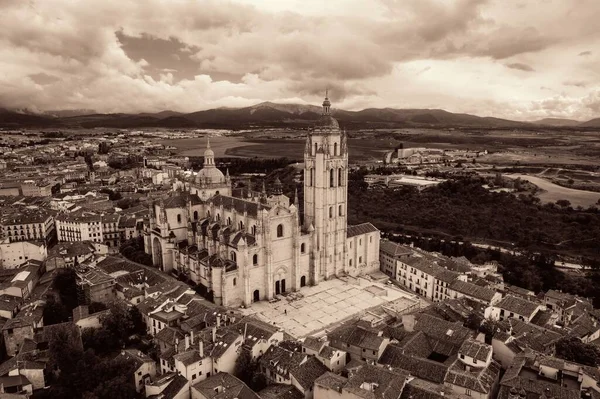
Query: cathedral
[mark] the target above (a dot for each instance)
(243, 250)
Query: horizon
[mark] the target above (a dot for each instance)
(333, 109)
(479, 57)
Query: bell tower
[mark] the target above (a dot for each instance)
(325, 194)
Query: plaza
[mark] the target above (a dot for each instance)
(316, 308)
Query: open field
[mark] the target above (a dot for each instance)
(553, 192)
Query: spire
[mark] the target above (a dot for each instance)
(264, 188)
(326, 103)
(209, 156)
(296, 201)
(278, 186)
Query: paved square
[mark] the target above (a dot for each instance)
(312, 309)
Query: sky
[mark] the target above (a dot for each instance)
(516, 59)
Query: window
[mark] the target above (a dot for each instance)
(340, 212)
(335, 150)
(279, 230)
(468, 392)
(228, 221)
(331, 178)
(330, 212)
(195, 215)
(241, 225)
(178, 218)
(359, 259)
(371, 239)
(253, 230)
(193, 376)
(360, 242)
(350, 262)
(302, 248)
(315, 148)
(255, 259)
(234, 284)
(207, 213)
(311, 176)
(233, 256)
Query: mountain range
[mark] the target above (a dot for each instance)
(268, 114)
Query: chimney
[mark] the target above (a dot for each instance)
(192, 337)
(201, 349)
(214, 334)
(187, 342)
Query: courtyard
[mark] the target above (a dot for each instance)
(313, 309)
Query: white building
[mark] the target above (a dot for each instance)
(244, 250)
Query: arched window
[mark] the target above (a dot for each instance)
(208, 214)
(330, 212)
(218, 217)
(234, 281)
(335, 152)
(241, 225)
(253, 230)
(340, 211)
(359, 260)
(178, 218)
(340, 179)
(350, 262)
(331, 178)
(302, 248)
(228, 221)
(279, 230)
(255, 259)
(233, 256)
(195, 215)
(315, 148)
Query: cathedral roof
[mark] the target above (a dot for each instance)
(360, 229)
(176, 201)
(238, 204)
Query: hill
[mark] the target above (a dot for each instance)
(556, 122)
(268, 114)
(591, 123)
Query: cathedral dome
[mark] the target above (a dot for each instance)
(211, 175)
(327, 121)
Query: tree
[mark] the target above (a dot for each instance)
(65, 283)
(571, 348)
(473, 322)
(55, 312)
(563, 203)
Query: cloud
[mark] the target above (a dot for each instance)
(127, 56)
(584, 53)
(575, 83)
(520, 66)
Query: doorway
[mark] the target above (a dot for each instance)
(256, 296)
(277, 288)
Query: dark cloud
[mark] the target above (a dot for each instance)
(584, 53)
(161, 55)
(575, 83)
(43, 79)
(520, 66)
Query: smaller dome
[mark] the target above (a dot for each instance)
(212, 175)
(209, 153)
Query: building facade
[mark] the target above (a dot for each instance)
(248, 249)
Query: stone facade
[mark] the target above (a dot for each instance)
(248, 249)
